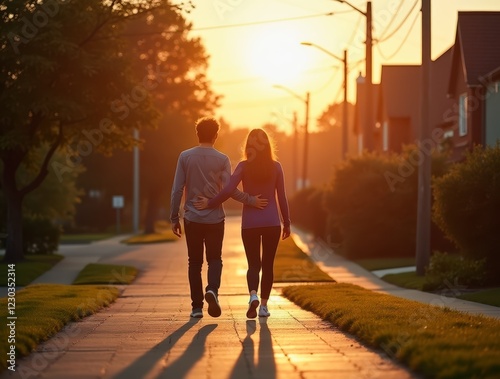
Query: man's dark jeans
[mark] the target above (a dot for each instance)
(198, 237)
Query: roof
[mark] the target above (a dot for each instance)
(440, 106)
(477, 45)
(400, 89)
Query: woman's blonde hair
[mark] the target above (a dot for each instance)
(260, 156)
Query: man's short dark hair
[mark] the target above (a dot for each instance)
(207, 128)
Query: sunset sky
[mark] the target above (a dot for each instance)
(254, 44)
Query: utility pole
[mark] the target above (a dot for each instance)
(295, 160)
(135, 203)
(306, 144)
(306, 132)
(423, 234)
(344, 111)
(345, 118)
(368, 132)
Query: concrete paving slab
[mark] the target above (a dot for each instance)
(147, 332)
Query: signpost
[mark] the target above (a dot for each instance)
(118, 203)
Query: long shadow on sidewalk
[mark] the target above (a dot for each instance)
(141, 366)
(266, 365)
(182, 365)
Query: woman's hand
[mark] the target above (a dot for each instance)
(286, 232)
(201, 203)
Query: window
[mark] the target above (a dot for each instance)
(462, 115)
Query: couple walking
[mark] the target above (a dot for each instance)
(204, 175)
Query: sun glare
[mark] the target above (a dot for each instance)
(275, 54)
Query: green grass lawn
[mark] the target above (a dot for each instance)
(31, 268)
(83, 238)
(293, 265)
(43, 309)
(410, 280)
(406, 280)
(164, 236)
(437, 342)
(385, 263)
(490, 296)
(96, 273)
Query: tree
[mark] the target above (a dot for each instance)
(160, 40)
(66, 81)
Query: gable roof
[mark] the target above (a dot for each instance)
(441, 105)
(477, 45)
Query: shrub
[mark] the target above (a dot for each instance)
(307, 210)
(452, 272)
(374, 202)
(466, 206)
(40, 236)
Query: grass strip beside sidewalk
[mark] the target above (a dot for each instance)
(97, 273)
(166, 236)
(293, 265)
(43, 309)
(438, 342)
(31, 268)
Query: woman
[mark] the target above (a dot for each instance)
(261, 174)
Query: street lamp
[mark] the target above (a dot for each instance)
(293, 122)
(306, 129)
(135, 202)
(368, 126)
(344, 111)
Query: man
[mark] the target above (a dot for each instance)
(203, 170)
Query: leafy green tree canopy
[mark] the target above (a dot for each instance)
(67, 80)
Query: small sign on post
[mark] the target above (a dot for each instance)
(118, 203)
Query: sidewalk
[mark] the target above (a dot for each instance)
(147, 332)
(345, 271)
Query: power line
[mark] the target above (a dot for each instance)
(259, 78)
(402, 42)
(400, 25)
(262, 22)
(392, 19)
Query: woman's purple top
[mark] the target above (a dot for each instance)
(253, 217)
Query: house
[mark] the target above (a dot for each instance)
(464, 90)
(360, 114)
(397, 111)
(474, 82)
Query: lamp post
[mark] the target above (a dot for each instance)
(306, 130)
(295, 162)
(368, 125)
(344, 111)
(423, 248)
(135, 203)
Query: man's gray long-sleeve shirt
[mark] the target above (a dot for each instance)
(202, 171)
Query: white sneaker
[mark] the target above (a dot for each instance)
(252, 307)
(263, 312)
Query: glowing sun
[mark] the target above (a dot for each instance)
(275, 54)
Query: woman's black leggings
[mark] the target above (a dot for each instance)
(252, 239)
